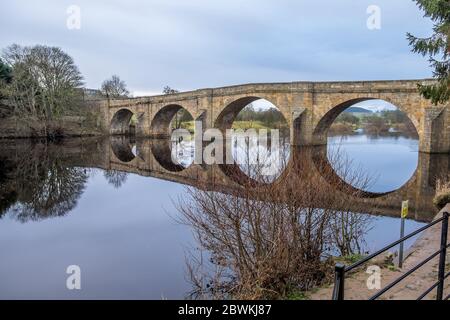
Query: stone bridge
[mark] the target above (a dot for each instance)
(308, 107)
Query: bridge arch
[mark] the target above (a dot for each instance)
(121, 123)
(231, 110)
(324, 123)
(229, 113)
(161, 125)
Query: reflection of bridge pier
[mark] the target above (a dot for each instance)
(431, 167)
(155, 160)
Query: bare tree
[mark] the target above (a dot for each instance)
(115, 88)
(263, 240)
(169, 90)
(45, 81)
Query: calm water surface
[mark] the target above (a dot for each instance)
(122, 229)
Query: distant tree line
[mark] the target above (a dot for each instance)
(271, 118)
(376, 123)
(388, 116)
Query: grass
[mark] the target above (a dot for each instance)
(237, 125)
(392, 267)
(350, 259)
(297, 295)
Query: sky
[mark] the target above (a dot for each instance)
(197, 44)
(371, 105)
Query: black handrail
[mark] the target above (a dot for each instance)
(341, 270)
(393, 244)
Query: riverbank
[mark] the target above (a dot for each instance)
(345, 128)
(240, 125)
(67, 126)
(410, 288)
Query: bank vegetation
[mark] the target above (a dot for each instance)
(42, 94)
(442, 197)
(376, 123)
(274, 239)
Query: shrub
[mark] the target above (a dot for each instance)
(442, 193)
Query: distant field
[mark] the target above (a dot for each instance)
(249, 125)
(190, 125)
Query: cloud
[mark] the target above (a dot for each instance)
(376, 105)
(202, 43)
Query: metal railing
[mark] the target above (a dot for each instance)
(341, 270)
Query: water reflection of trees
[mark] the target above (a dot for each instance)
(44, 185)
(8, 196)
(373, 136)
(115, 178)
(267, 240)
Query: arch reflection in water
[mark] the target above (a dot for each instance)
(390, 161)
(124, 148)
(183, 149)
(333, 169)
(391, 167)
(258, 157)
(39, 184)
(259, 144)
(380, 139)
(172, 155)
(98, 154)
(163, 151)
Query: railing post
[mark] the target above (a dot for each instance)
(339, 281)
(441, 276)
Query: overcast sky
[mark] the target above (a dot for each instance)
(191, 44)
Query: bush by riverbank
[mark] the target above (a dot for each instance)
(442, 193)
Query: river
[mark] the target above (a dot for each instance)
(59, 207)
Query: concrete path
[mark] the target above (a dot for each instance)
(411, 287)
